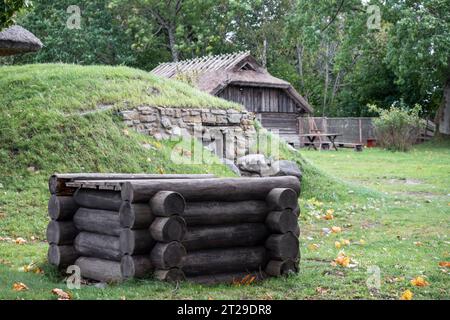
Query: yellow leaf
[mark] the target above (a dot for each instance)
(19, 286)
(313, 247)
(419, 282)
(62, 295)
(20, 240)
(337, 244)
(345, 242)
(342, 260)
(362, 241)
(335, 229)
(407, 295)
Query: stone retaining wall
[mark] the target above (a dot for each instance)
(228, 133)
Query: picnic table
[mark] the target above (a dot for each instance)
(313, 136)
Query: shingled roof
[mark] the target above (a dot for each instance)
(213, 73)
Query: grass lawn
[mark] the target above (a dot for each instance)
(393, 210)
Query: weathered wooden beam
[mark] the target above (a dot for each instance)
(224, 260)
(166, 229)
(171, 275)
(135, 215)
(98, 245)
(61, 232)
(222, 212)
(282, 221)
(282, 198)
(224, 189)
(138, 266)
(225, 236)
(61, 207)
(98, 199)
(135, 242)
(167, 203)
(98, 221)
(62, 256)
(282, 246)
(278, 268)
(167, 255)
(99, 269)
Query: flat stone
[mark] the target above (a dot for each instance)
(286, 168)
(165, 122)
(218, 111)
(148, 118)
(234, 118)
(254, 163)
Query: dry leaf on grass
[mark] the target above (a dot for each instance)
(342, 260)
(444, 264)
(20, 240)
(407, 295)
(335, 229)
(337, 244)
(419, 282)
(19, 286)
(62, 295)
(32, 267)
(313, 246)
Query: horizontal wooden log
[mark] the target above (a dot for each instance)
(167, 255)
(278, 268)
(135, 215)
(135, 242)
(138, 266)
(62, 256)
(98, 246)
(166, 229)
(225, 236)
(167, 203)
(229, 278)
(98, 221)
(98, 199)
(282, 198)
(296, 211)
(171, 275)
(223, 189)
(282, 246)
(224, 260)
(61, 232)
(57, 182)
(99, 269)
(282, 221)
(297, 231)
(222, 212)
(61, 207)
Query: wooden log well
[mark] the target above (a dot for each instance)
(135, 215)
(62, 256)
(98, 199)
(61, 207)
(98, 221)
(167, 255)
(167, 203)
(96, 245)
(99, 269)
(166, 229)
(61, 232)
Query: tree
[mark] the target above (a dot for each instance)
(8, 10)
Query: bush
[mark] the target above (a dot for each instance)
(398, 127)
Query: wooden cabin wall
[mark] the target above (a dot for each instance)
(260, 100)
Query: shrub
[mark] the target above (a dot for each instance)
(398, 127)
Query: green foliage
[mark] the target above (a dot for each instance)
(8, 10)
(398, 127)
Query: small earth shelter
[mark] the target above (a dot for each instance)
(238, 77)
(16, 40)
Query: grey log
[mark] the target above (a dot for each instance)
(167, 255)
(61, 207)
(225, 236)
(282, 198)
(278, 268)
(134, 242)
(61, 232)
(98, 199)
(98, 221)
(230, 278)
(282, 221)
(168, 229)
(297, 211)
(167, 203)
(221, 189)
(98, 245)
(135, 215)
(62, 256)
(224, 260)
(171, 275)
(222, 212)
(138, 266)
(99, 269)
(282, 246)
(57, 182)
(297, 231)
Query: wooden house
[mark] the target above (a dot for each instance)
(240, 78)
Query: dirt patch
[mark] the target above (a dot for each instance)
(411, 182)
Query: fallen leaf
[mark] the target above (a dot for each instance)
(337, 244)
(335, 229)
(19, 286)
(342, 260)
(62, 295)
(20, 240)
(418, 243)
(321, 290)
(362, 241)
(419, 282)
(313, 247)
(345, 242)
(407, 295)
(444, 264)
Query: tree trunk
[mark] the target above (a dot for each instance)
(299, 52)
(172, 43)
(443, 114)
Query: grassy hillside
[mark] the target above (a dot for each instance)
(42, 131)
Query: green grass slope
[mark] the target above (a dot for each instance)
(42, 131)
